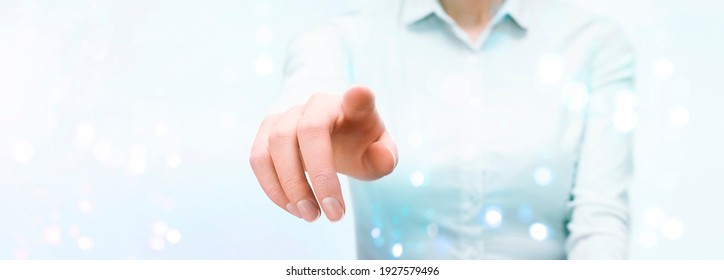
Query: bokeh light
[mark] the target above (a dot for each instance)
(173, 236)
(672, 229)
(493, 217)
(85, 243)
(375, 233)
(397, 250)
(538, 231)
(417, 178)
(52, 235)
(85, 206)
(542, 176)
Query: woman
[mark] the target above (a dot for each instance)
(511, 122)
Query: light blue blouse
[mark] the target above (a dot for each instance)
(515, 146)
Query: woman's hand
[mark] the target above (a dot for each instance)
(326, 136)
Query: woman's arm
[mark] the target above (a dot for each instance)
(599, 207)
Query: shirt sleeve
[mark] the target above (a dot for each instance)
(599, 212)
(316, 62)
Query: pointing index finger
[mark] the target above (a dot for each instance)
(316, 148)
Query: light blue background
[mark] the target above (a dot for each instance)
(125, 128)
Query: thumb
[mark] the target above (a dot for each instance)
(381, 157)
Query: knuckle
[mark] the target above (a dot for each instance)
(318, 96)
(274, 193)
(282, 136)
(309, 126)
(323, 179)
(296, 110)
(258, 159)
(293, 183)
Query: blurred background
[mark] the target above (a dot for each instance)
(125, 128)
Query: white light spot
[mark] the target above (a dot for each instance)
(672, 229)
(648, 239)
(550, 69)
(173, 236)
(577, 96)
(161, 129)
(157, 243)
(85, 206)
(264, 35)
(542, 176)
(375, 232)
(432, 230)
(679, 116)
(493, 217)
(653, 217)
(85, 243)
(626, 100)
(85, 133)
(173, 160)
(160, 228)
(397, 250)
(137, 163)
(52, 235)
(663, 68)
(22, 152)
(417, 179)
(264, 65)
(538, 231)
(625, 120)
(103, 151)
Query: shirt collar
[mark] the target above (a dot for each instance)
(414, 11)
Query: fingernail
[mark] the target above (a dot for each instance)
(293, 210)
(309, 211)
(333, 209)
